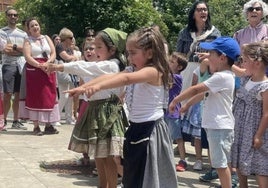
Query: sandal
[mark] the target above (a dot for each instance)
(50, 130)
(37, 131)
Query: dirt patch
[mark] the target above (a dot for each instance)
(72, 167)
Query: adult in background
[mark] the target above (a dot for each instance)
(13, 62)
(40, 103)
(255, 12)
(65, 54)
(199, 29)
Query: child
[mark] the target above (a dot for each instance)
(250, 148)
(217, 91)
(100, 131)
(148, 154)
(177, 64)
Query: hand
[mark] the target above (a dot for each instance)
(257, 142)
(91, 90)
(184, 109)
(76, 91)
(171, 107)
(202, 56)
(48, 67)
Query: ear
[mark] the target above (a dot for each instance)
(179, 68)
(149, 54)
(112, 50)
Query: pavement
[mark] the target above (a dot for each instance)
(21, 154)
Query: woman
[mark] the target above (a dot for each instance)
(65, 54)
(254, 11)
(40, 103)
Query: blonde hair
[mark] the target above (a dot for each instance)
(65, 33)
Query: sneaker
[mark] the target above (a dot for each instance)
(70, 122)
(51, 130)
(95, 171)
(234, 180)
(181, 166)
(37, 131)
(209, 176)
(198, 165)
(18, 125)
(56, 123)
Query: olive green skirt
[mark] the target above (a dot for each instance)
(100, 131)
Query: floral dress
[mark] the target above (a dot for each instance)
(248, 113)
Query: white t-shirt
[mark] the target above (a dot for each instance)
(218, 101)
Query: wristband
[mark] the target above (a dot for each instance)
(15, 47)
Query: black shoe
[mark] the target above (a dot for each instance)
(18, 125)
(50, 130)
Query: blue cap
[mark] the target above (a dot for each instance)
(226, 45)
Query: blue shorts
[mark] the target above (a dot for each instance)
(220, 142)
(175, 127)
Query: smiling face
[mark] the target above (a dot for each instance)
(34, 28)
(255, 14)
(201, 13)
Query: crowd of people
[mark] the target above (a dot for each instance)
(127, 111)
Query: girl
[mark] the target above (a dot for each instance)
(100, 130)
(148, 155)
(250, 148)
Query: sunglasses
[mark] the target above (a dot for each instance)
(10, 15)
(71, 38)
(89, 48)
(251, 9)
(201, 9)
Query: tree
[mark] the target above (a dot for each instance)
(77, 15)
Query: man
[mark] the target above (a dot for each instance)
(13, 62)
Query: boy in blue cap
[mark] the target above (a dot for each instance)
(217, 94)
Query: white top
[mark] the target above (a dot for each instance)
(218, 101)
(89, 70)
(147, 103)
(13, 36)
(39, 48)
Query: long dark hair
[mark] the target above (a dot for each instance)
(191, 21)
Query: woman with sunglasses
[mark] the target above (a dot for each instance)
(255, 12)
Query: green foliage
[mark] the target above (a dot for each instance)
(128, 15)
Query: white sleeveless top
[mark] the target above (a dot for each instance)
(38, 49)
(147, 103)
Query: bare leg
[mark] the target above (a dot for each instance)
(7, 103)
(101, 172)
(111, 172)
(225, 177)
(117, 160)
(243, 180)
(262, 181)
(15, 106)
(181, 148)
(198, 149)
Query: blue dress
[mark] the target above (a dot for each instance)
(248, 113)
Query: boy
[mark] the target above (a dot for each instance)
(217, 95)
(177, 64)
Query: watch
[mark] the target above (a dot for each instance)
(14, 47)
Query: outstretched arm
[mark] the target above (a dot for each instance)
(195, 99)
(148, 74)
(186, 94)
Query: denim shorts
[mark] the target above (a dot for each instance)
(220, 142)
(175, 127)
